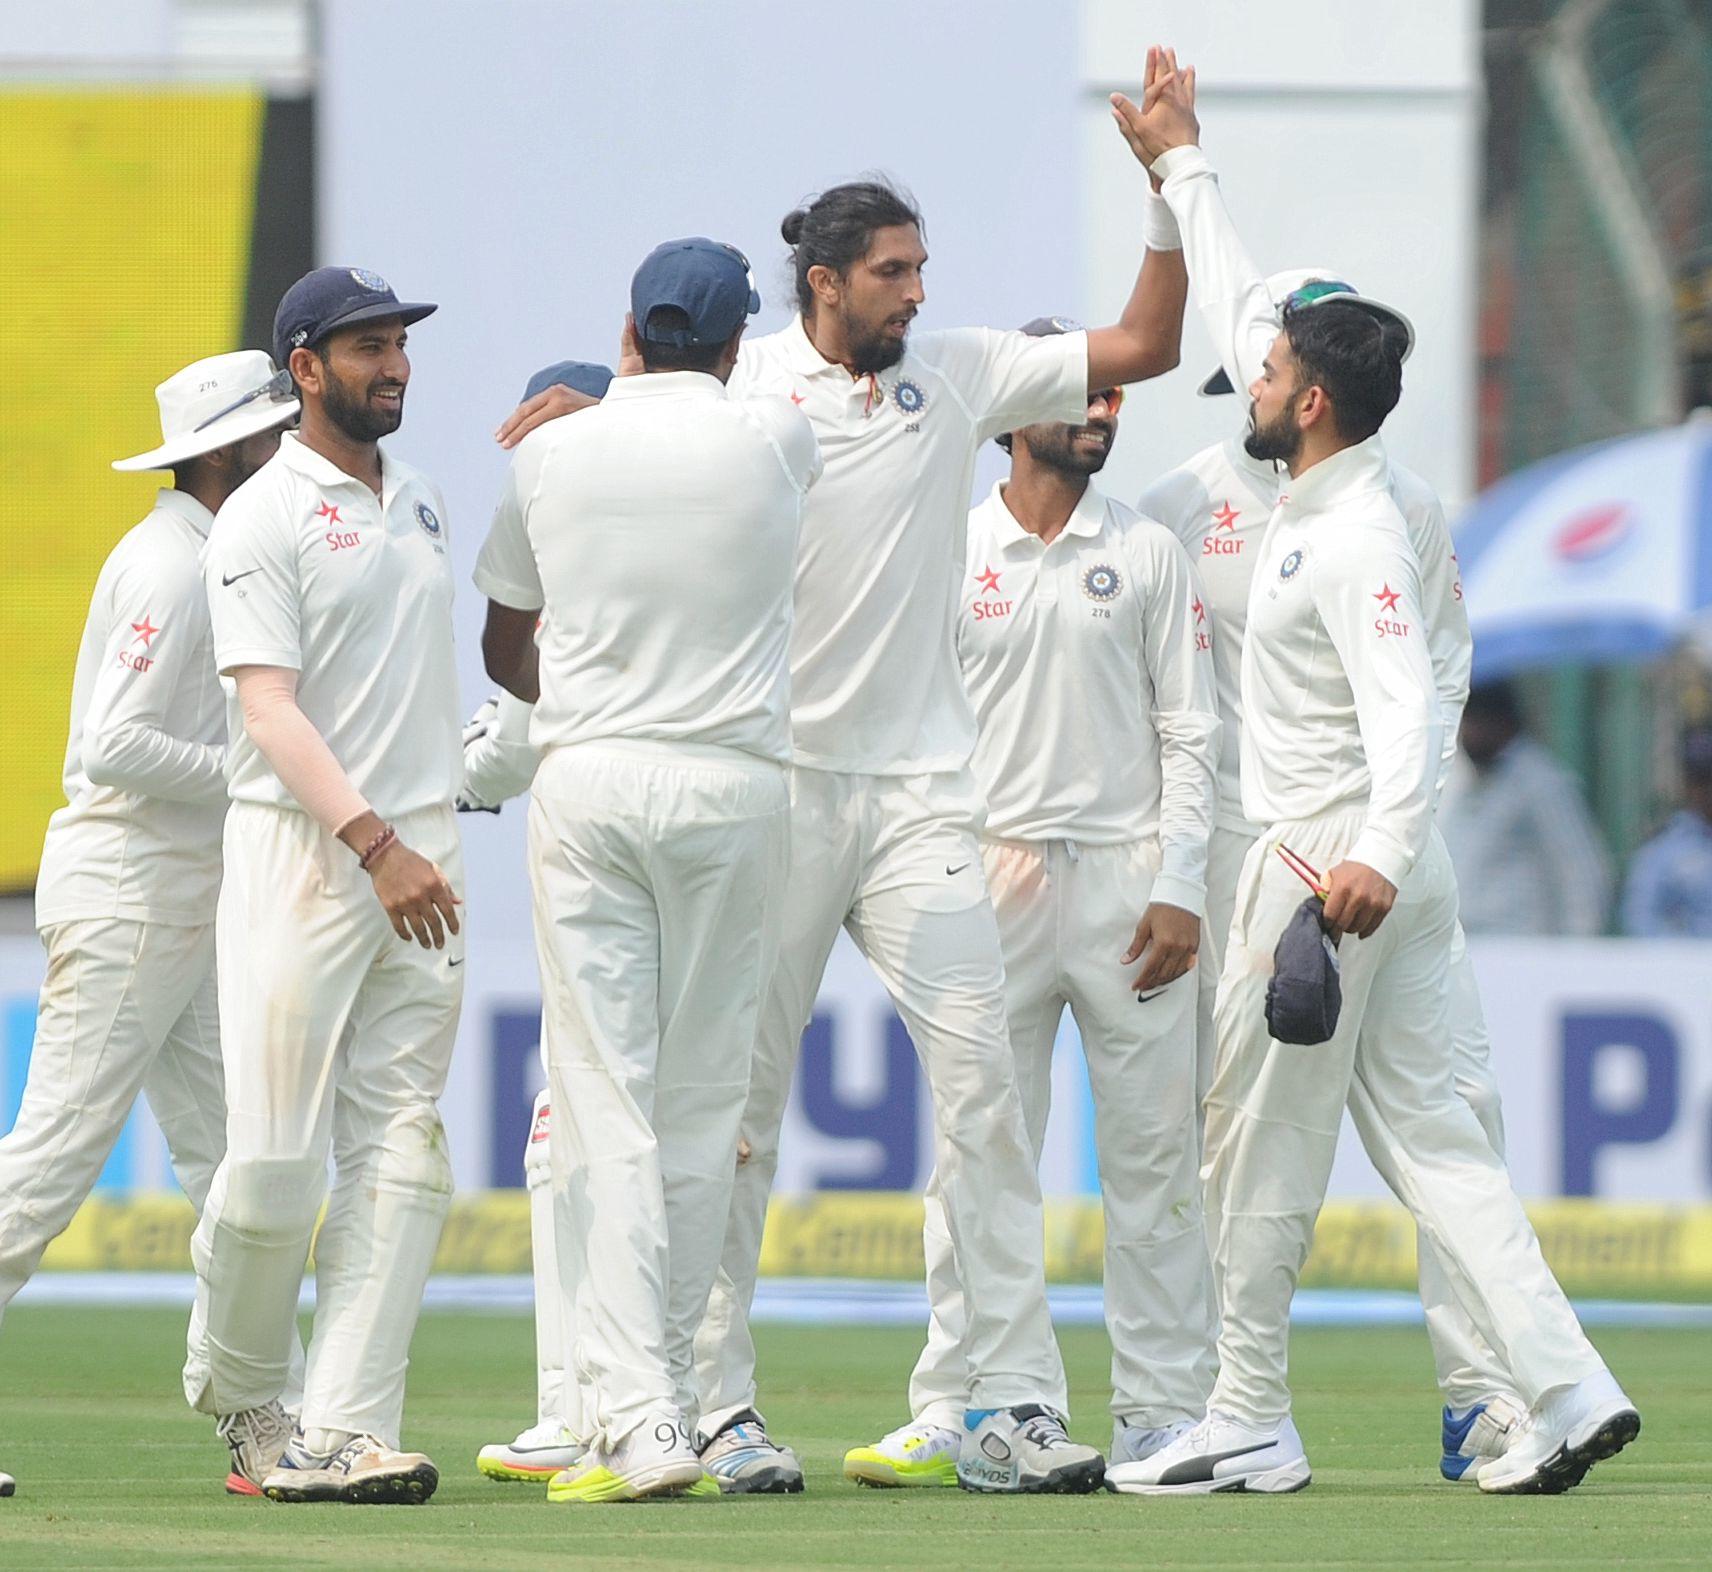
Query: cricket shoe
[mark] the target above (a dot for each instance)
(1569, 1430)
(746, 1461)
(655, 1459)
(1134, 1443)
(1477, 1435)
(534, 1457)
(8, 1485)
(257, 1437)
(1217, 1455)
(364, 1471)
(1024, 1451)
(911, 1457)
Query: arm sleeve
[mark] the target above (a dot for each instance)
(505, 570)
(254, 587)
(1230, 291)
(125, 743)
(1185, 716)
(791, 437)
(1391, 679)
(500, 764)
(1450, 646)
(297, 753)
(1008, 380)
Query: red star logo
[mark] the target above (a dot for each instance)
(796, 398)
(1388, 598)
(989, 582)
(145, 630)
(1199, 610)
(329, 512)
(1226, 517)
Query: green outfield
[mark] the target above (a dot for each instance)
(114, 1472)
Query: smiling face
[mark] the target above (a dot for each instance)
(877, 297)
(1077, 450)
(357, 375)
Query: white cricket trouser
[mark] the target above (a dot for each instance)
(1469, 1371)
(556, 1397)
(1066, 913)
(1272, 1122)
(657, 871)
(336, 1036)
(895, 861)
(1226, 851)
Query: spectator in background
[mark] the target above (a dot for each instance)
(1669, 890)
(1527, 856)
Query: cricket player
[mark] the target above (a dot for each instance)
(1219, 503)
(1083, 642)
(885, 812)
(654, 539)
(131, 865)
(340, 944)
(1342, 753)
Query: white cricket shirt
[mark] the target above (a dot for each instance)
(875, 687)
(1338, 698)
(139, 837)
(310, 570)
(1089, 667)
(657, 534)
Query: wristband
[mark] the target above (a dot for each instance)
(375, 847)
(1159, 224)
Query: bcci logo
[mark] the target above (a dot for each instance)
(1291, 566)
(425, 517)
(1102, 582)
(910, 399)
(370, 280)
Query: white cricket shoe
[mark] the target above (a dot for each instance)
(1024, 1451)
(8, 1485)
(535, 1456)
(912, 1456)
(745, 1461)
(1477, 1435)
(1217, 1455)
(1569, 1430)
(1133, 1443)
(364, 1471)
(655, 1459)
(257, 1437)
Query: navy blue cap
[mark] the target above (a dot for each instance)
(580, 376)
(335, 297)
(709, 282)
(1303, 995)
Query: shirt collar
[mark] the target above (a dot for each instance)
(666, 384)
(298, 455)
(182, 505)
(802, 356)
(1086, 519)
(1352, 472)
(1267, 477)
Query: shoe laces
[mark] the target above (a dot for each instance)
(1044, 1428)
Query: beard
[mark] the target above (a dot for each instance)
(1056, 448)
(355, 416)
(1279, 441)
(872, 349)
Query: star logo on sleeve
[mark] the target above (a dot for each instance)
(1226, 517)
(989, 582)
(145, 631)
(1388, 598)
(1199, 610)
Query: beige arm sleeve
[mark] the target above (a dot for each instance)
(296, 751)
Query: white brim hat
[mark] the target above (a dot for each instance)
(1281, 286)
(213, 402)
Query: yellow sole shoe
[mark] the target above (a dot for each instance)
(867, 1465)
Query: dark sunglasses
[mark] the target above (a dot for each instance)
(276, 386)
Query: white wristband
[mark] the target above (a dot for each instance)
(1159, 224)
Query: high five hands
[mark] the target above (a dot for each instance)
(1166, 117)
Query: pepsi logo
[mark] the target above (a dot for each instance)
(1593, 532)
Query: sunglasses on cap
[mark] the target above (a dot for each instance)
(276, 386)
(1318, 290)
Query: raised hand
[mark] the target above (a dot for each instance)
(1166, 116)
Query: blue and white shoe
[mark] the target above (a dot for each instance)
(365, 1471)
(1477, 1435)
(746, 1461)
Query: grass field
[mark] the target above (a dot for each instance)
(113, 1471)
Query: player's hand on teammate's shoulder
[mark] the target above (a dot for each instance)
(1166, 941)
(1165, 117)
(1358, 899)
(532, 412)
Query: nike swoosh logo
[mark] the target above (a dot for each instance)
(458, 962)
(227, 583)
(1142, 998)
(1196, 1470)
(951, 872)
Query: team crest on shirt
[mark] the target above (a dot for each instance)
(909, 398)
(1102, 583)
(1290, 566)
(430, 524)
(368, 280)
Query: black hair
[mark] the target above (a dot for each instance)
(676, 357)
(1354, 355)
(836, 228)
(1496, 700)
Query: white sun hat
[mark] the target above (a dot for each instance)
(1282, 287)
(222, 399)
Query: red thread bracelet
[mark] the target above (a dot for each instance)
(375, 847)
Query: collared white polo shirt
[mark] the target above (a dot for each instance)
(147, 718)
(1090, 671)
(874, 680)
(310, 570)
(657, 534)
